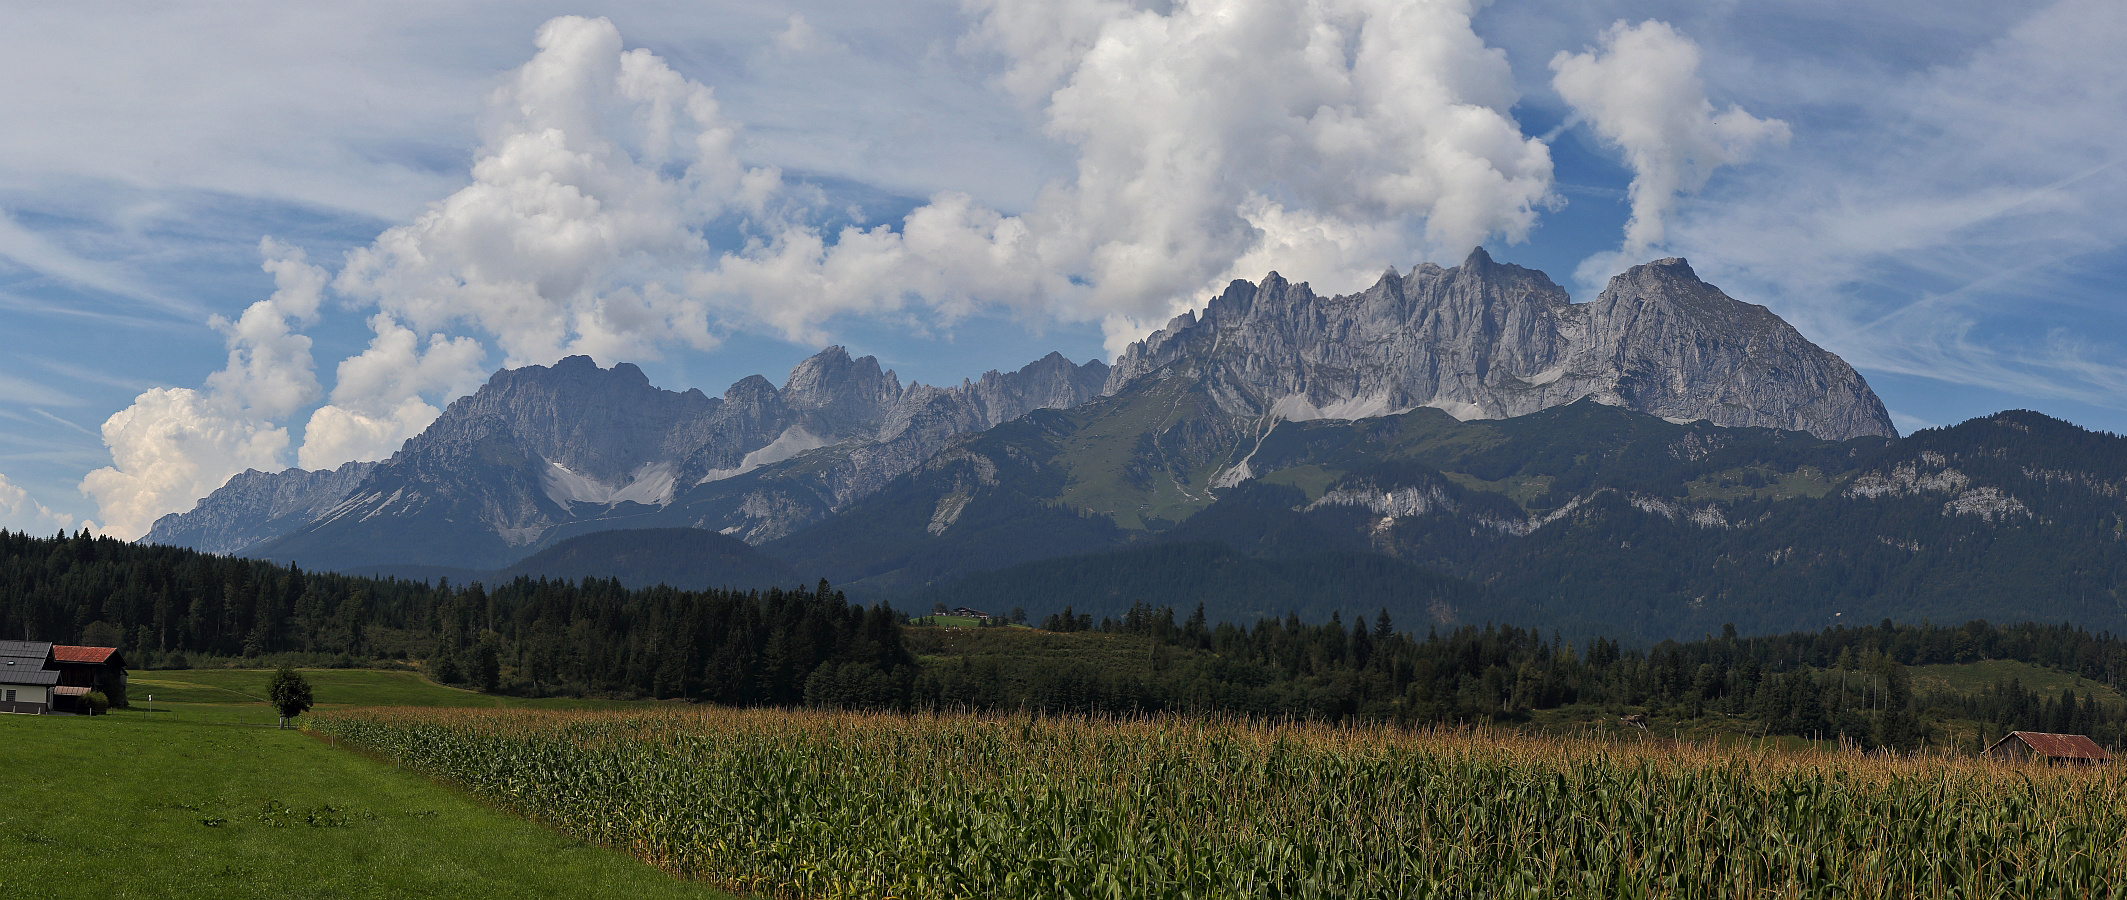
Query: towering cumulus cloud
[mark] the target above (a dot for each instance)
(599, 169)
(1216, 139)
(376, 398)
(175, 445)
(1641, 92)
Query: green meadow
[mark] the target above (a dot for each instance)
(129, 805)
(1975, 677)
(238, 695)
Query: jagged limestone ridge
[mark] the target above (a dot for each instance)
(1487, 340)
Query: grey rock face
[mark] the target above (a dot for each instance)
(254, 506)
(1051, 382)
(1486, 340)
(543, 451)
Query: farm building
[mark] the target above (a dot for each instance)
(970, 612)
(40, 677)
(91, 669)
(2060, 749)
(27, 676)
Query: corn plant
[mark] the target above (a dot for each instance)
(839, 804)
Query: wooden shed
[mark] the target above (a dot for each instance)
(2059, 749)
(92, 669)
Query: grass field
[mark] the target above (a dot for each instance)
(238, 695)
(820, 805)
(947, 620)
(121, 806)
(1976, 677)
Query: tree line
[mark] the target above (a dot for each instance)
(1840, 682)
(169, 607)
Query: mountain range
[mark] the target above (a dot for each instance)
(1455, 444)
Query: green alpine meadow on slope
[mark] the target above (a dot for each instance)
(131, 806)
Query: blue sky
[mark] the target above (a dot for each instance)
(262, 236)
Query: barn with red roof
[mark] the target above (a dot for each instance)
(2059, 749)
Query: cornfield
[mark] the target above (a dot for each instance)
(838, 804)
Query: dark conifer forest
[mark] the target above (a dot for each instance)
(170, 608)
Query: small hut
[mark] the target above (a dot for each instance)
(90, 669)
(2058, 749)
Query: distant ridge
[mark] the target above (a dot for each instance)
(542, 453)
(686, 558)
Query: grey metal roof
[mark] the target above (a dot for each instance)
(25, 673)
(36, 649)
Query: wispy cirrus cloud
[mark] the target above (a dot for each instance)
(1967, 229)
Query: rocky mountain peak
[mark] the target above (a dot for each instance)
(750, 389)
(1494, 340)
(837, 394)
(600, 423)
(1051, 382)
(1671, 282)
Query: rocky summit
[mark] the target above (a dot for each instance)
(542, 448)
(1486, 340)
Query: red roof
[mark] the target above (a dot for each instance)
(2059, 746)
(71, 691)
(91, 655)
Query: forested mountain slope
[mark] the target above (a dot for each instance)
(1588, 518)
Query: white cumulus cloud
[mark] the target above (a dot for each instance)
(600, 168)
(376, 398)
(21, 512)
(1212, 140)
(1641, 92)
(173, 446)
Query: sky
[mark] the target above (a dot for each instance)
(252, 235)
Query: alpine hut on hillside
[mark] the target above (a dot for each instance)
(2058, 749)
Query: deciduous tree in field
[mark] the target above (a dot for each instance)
(290, 694)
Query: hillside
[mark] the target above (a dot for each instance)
(685, 558)
(1587, 518)
(1230, 586)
